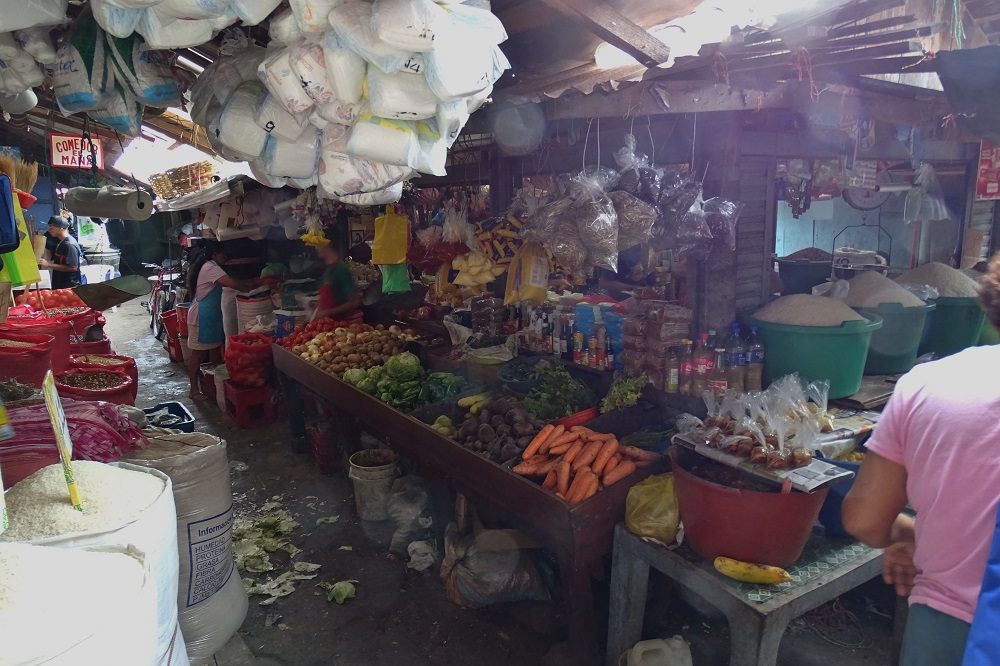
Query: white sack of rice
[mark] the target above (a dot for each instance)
(870, 290)
(807, 310)
(949, 282)
(39, 505)
(62, 606)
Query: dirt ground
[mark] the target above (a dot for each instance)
(402, 617)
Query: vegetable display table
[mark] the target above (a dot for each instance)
(757, 614)
(578, 536)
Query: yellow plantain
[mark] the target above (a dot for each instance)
(470, 400)
(760, 574)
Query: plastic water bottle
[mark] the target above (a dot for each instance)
(755, 361)
(736, 360)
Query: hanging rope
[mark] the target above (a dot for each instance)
(957, 25)
(652, 144)
(586, 140)
(804, 69)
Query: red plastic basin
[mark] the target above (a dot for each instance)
(747, 525)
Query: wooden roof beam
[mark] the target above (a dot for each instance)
(614, 28)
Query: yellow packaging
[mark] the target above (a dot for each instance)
(392, 238)
(20, 267)
(651, 509)
(529, 271)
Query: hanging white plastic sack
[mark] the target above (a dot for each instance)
(115, 20)
(292, 159)
(283, 28)
(317, 120)
(338, 112)
(309, 65)
(400, 96)
(433, 153)
(408, 24)
(387, 196)
(144, 72)
(451, 119)
(18, 70)
(224, 20)
(167, 32)
(21, 14)
(415, 64)
(311, 15)
(261, 176)
(303, 183)
(352, 22)
(276, 73)
(345, 69)
(252, 12)
(81, 79)
(237, 129)
(384, 140)
(343, 174)
(475, 102)
(38, 43)
(273, 118)
(192, 9)
(474, 23)
(122, 112)
(134, 4)
(457, 68)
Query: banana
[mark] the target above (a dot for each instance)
(470, 400)
(477, 407)
(760, 574)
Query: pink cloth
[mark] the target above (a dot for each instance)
(942, 426)
(207, 277)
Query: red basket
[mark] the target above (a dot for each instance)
(126, 364)
(27, 364)
(102, 346)
(171, 323)
(58, 329)
(120, 394)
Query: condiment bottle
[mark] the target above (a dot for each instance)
(686, 368)
(755, 362)
(702, 366)
(673, 380)
(717, 383)
(609, 354)
(736, 360)
(579, 347)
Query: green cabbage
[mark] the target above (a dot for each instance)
(404, 366)
(354, 375)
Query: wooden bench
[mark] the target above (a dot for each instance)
(757, 614)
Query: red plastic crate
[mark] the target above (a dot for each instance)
(323, 446)
(249, 407)
(174, 349)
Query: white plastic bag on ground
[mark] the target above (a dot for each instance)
(292, 159)
(401, 96)
(463, 68)
(309, 65)
(21, 14)
(236, 128)
(384, 140)
(352, 22)
(408, 24)
(338, 112)
(311, 15)
(345, 69)
(211, 599)
(192, 9)
(252, 12)
(167, 32)
(284, 29)
(38, 43)
(275, 119)
(276, 73)
(341, 174)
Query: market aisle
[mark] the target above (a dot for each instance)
(399, 616)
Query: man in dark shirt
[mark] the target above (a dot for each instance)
(65, 261)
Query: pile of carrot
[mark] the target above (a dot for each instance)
(578, 462)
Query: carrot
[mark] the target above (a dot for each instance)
(553, 436)
(550, 480)
(601, 436)
(609, 449)
(534, 460)
(537, 441)
(562, 477)
(639, 454)
(619, 473)
(576, 487)
(583, 430)
(614, 462)
(573, 452)
(588, 487)
(534, 469)
(565, 438)
(559, 450)
(587, 457)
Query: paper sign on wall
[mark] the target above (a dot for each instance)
(988, 177)
(72, 151)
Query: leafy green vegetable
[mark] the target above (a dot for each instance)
(557, 394)
(625, 392)
(354, 376)
(404, 366)
(340, 591)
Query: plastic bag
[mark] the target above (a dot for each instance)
(253, 12)
(480, 569)
(311, 15)
(408, 24)
(395, 278)
(114, 20)
(651, 509)
(277, 74)
(21, 15)
(635, 219)
(392, 238)
(275, 119)
(341, 174)
(925, 201)
(409, 506)
(37, 42)
(693, 230)
(528, 276)
(352, 23)
(309, 65)
(401, 96)
(596, 220)
(248, 359)
(721, 216)
(122, 112)
(384, 140)
(283, 28)
(345, 68)
(145, 73)
(388, 195)
(81, 78)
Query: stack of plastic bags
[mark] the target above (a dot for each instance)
(353, 97)
(26, 46)
(111, 78)
(175, 24)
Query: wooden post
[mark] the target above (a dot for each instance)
(6, 299)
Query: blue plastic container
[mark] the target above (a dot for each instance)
(829, 514)
(186, 422)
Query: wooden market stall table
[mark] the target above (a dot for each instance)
(578, 536)
(757, 614)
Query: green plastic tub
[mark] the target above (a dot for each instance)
(990, 335)
(799, 276)
(955, 324)
(894, 347)
(833, 353)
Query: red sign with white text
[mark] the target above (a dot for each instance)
(988, 178)
(71, 151)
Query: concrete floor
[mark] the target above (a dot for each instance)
(401, 617)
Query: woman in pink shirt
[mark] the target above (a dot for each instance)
(936, 449)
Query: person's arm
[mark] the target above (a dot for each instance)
(352, 303)
(871, 510)
(241, 285)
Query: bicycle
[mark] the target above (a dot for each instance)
(163, 296)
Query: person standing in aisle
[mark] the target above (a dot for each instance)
(206, 279)
(64, 259)
(339, 297)
(935, 449)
